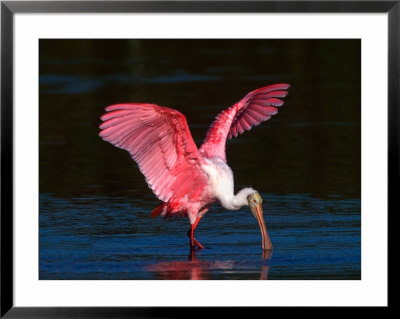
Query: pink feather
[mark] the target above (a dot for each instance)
(257, 106)
(159, 140)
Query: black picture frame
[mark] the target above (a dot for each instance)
(9, 8)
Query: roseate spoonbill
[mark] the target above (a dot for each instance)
(186, 179)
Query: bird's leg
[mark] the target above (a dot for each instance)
(193, 241)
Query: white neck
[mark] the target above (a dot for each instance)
(238, 200)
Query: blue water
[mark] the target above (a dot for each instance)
(115, 238)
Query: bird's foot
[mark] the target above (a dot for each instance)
(195, 243)
(200, 246)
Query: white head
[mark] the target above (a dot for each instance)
(250, 197)
(255, 203)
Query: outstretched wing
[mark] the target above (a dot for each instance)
(257, 106)
(159, 140)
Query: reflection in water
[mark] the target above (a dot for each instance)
(267, 254)
(115, 238)
(196, 269)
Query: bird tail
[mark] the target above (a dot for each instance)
(156, 211)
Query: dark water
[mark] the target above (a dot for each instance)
(306, 161)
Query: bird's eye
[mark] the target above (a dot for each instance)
(254, 201)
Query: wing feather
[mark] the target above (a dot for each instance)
(159, 140)
(257, 106)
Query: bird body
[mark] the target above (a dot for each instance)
(221, 184)
(186, 179)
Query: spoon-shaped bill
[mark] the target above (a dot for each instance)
(258, 214)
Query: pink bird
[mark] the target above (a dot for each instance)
(186, 179)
